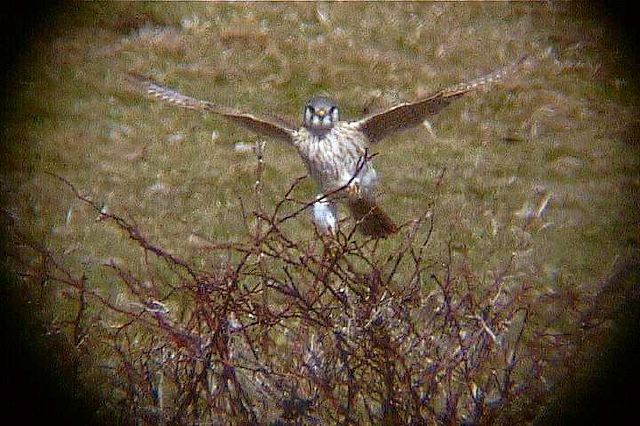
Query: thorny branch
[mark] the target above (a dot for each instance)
(348, 333)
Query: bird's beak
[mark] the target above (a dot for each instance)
(321, 112)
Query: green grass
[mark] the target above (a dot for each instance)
(561, 127)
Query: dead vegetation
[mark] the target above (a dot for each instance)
(320, 331)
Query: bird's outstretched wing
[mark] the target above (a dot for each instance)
(406, 115)
(267, 126)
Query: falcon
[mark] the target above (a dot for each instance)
(334, 150)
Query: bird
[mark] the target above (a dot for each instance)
(335, 151)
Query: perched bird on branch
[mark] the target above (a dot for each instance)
(334, 150)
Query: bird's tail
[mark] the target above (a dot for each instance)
(370, 218)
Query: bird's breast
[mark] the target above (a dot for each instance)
(333, 159)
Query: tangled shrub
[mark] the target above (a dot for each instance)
(327, 330)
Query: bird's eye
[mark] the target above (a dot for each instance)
(308, 114)
(335, 115)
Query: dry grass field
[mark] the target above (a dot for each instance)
(527, 188)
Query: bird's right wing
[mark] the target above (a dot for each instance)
(267, 126)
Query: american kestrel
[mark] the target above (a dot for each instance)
(334, 150)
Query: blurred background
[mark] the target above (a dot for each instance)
(555, 145)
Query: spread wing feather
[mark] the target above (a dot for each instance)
(410, 114)
(267, 126)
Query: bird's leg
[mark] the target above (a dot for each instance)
(354, 189)
(325, 216)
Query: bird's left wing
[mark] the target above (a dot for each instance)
(406, 115)
(267, 126)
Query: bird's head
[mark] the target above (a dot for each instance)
(320, 114)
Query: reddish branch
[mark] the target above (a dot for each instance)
(348, 333)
